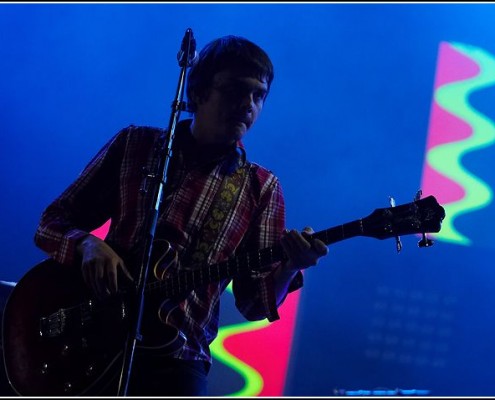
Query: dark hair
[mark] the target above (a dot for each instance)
(228, 52)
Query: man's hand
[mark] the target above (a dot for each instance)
(302, 251)
(100, 266)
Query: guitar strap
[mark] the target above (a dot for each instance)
(225, 199)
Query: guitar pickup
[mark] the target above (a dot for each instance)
(53, 325)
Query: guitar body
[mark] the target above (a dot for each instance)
(60, 342)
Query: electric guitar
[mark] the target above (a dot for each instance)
(60, 341)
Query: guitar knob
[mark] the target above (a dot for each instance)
(44, 368)
(67, 387)
(90, 370)
(65, 350)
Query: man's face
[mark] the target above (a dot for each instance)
(232, 106)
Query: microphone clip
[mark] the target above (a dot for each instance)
(187, 53)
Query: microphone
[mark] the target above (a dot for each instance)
(187, 53)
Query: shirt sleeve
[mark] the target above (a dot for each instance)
(255, 295)
(84, 206)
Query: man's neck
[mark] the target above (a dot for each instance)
(197, 152)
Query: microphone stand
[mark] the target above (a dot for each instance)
(185, 57)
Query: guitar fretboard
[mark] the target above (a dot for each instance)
(183, 281)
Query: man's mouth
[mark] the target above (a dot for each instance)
(239, 121)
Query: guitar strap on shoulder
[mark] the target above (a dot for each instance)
(225, 199)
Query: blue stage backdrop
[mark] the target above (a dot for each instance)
(369, 101)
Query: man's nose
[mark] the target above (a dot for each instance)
(247, 101)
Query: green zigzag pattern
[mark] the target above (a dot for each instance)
(252, 378)
(446, 158)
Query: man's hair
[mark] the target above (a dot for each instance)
(228, 52)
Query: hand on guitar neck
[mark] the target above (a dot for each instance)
(302, 251)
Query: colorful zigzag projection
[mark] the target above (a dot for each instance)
(259, 351)
(457, 128)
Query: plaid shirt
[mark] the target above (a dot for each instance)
(109, 188)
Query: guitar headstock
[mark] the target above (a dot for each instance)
(419, 216)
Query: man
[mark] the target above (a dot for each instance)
(216, 204)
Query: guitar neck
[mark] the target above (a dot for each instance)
(341, 232)
(184, 281)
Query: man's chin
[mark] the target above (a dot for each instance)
(239, 130)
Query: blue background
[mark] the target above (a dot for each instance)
(344, 127)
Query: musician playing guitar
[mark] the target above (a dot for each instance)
(216, 204)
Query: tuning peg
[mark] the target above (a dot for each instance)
(425, 242)
(419, 193)
(398, 243)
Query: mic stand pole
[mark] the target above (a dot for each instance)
(185, 57)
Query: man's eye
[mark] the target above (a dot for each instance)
(259, 96)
